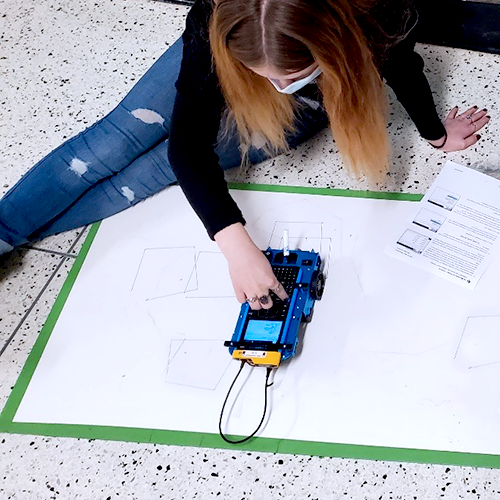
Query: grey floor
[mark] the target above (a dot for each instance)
(65, 63)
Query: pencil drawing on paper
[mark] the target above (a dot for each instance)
(199, 363)
(479, 344)
(164, 272)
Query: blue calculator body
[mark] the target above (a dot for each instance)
(268, 336)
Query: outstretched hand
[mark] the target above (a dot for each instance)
(253, 278)
(462, 129)
(251, 272)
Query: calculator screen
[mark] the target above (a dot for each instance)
(266, 331)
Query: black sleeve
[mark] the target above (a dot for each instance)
(403, 71)
(195, 124)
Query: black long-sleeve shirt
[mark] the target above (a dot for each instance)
(199, 105)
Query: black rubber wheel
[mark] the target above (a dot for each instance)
(317, 285)
(308, 318)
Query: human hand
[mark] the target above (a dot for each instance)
(461, 129)
(250, 271)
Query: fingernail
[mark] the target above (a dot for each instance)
(488, 116)
(474, 107)
(485, 109)
(478, 137)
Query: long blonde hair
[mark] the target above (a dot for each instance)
(289, 36)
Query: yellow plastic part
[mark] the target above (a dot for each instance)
(259, 358)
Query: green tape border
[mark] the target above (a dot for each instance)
(379, 195)
(206, 440)
(17, 394)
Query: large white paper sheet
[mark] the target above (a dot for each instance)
(394, 356)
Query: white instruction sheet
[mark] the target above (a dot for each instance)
(453, 231)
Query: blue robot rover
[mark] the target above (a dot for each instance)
(266, 337)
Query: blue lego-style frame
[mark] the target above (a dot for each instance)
(307, 289)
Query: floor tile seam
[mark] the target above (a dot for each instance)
(47, 250)
(37, 298)
(33, 304)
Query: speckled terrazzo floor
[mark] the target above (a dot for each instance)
(64, 64)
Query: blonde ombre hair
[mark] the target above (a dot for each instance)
(288, 36)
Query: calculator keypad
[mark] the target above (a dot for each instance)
(287, 276)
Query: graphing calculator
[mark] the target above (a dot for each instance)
(266, 337)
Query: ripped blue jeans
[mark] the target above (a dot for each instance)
(115, 163)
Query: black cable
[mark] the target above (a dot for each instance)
(239, 441)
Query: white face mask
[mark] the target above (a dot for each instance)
(298, 84)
